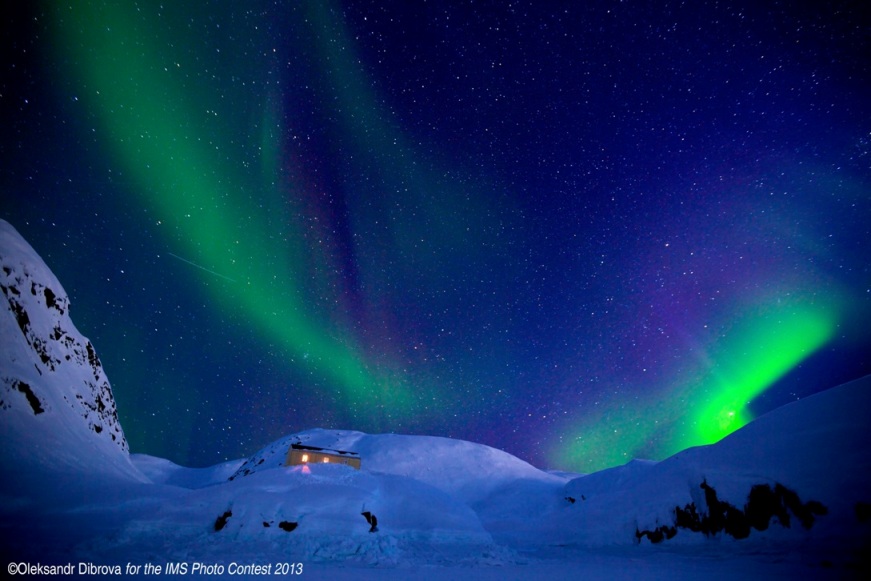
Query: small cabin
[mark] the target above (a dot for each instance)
(299, 455)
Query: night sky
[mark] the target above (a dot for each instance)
(580, 232)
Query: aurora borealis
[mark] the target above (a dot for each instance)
(580, 234)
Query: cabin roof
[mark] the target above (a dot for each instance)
(298, 446)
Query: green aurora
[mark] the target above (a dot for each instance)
(204, 197)
(764, 344)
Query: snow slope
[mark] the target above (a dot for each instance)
(71, 493)
(816, 447)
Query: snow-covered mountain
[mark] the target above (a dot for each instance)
(56, 403)
(71, 493)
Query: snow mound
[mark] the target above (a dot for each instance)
(314, 514)
(162, 471)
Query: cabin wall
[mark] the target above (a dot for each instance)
(300, 457)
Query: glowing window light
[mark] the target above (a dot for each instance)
(305, 457)
(326, 460)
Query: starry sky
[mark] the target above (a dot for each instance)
(581, 232)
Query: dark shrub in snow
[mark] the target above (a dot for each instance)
(221, 521)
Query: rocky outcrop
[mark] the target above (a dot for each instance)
(765, 504)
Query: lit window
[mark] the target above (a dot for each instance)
(326, 460)
(305, 457)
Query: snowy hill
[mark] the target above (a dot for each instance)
(56, 405)
(71, 493)
(468, 471)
